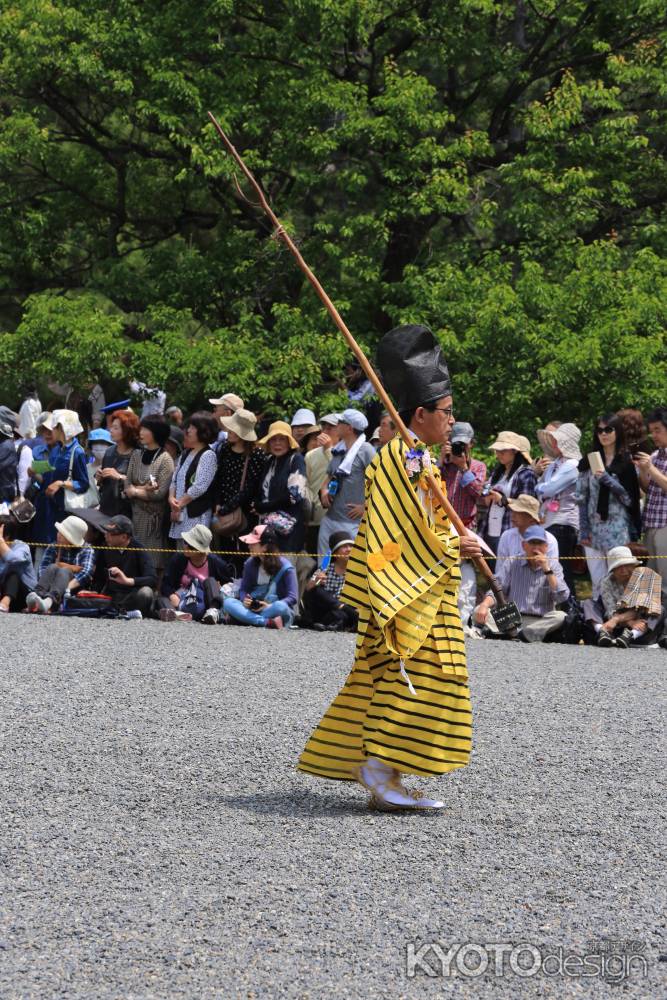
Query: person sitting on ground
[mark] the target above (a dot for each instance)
(557, 490)
(17, 576)
(125, 570)
(343, 495)
(524, 514)
(512, 475)
(629, 610)
(269, 594)
(192, 581)
(67, 566)
(323, 608)
(535, 584)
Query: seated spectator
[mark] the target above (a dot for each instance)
(629, 611)
(124, 431)
(464, 477)
(557, 489)
(149, 476)
(524, 514)
(67, 566)
(302, 421)
(608, 498)
(323, 609)
(125, 571)
(17, 576)
(653, 478)
(268, 594)
(192, 581)
(535, 584)
(512, 475)
(283, 490)
(343, 496)
(192, 490)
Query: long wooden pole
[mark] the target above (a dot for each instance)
(367, 367)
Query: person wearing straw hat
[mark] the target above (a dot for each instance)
(557, 492)
(67, 566)
(405, 707)
(283, 489)
(241, 465)
(191, 584)
(512, 475)
(629, 611)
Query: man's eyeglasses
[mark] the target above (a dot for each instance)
(605, 430)
(447, 410)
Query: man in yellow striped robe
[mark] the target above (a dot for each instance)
(405, 707)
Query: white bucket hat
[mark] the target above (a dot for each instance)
(303, 417)
(198, 538)
(68, 420)
(620, 555)
(74, 529)
(567, 437)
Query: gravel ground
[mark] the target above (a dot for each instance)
(157, 842)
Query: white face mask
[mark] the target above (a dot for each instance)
(99, 451)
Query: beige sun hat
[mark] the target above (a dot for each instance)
(620, 555)
(74, 529)
(517, 442)
(242, 423)
(230, 400)
(199, 537)
(68, 420)
(276, 428)
(525, 504)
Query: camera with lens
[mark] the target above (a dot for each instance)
(458, 448)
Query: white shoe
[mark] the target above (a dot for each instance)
(421, 802)
(210, 617)
(383, 782)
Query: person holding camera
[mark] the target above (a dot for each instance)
(652, 470)
(464, 477)
(269, 591)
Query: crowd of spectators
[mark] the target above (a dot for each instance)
(124, 516)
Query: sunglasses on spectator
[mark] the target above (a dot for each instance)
(605, 430)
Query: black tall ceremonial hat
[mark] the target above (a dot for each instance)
(412, 367)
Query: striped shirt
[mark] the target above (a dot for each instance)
(529, 588)
(83, 557)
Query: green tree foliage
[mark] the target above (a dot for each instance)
(495, 168)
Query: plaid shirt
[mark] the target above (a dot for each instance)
(655, 508)
(464, 488)
(333, 581)
(523, 481)
(83, 557)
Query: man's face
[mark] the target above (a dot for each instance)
(434, 427)
(534, 549)
(521, 520)
(221, 410)
(116, 539)
(658, 432)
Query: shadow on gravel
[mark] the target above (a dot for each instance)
(311, 804)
